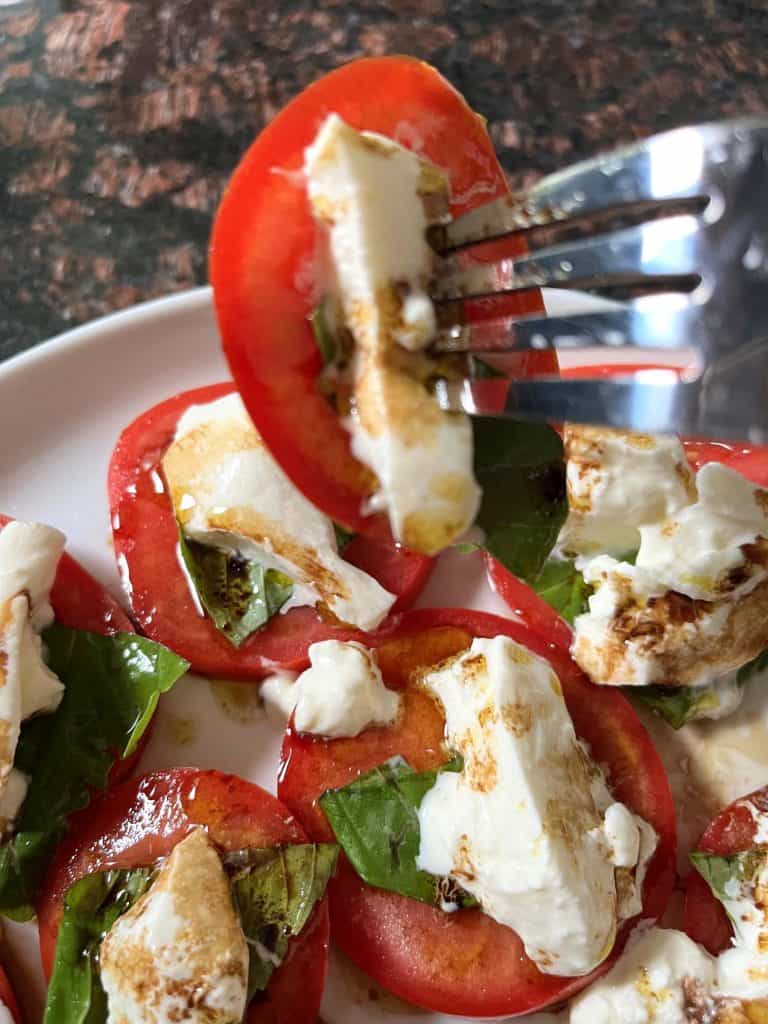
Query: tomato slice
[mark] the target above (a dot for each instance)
(750, 461)
(80, 602)
(731, 831)
(145, 538)
(466, 963)
(142, 820)
(263, 253)
(8, 999)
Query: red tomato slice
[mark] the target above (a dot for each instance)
(8, 999)
(80, 602)
(145, 537)
(142, 820)
(752, 462)
(263, 254)
(732, 831)
(466, 963)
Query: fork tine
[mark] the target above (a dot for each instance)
(676, 165)
(663, 249)
(654, 402)
(657, 322)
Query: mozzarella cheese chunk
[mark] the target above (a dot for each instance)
(228, 492)
(618, 482)
(340, 695)
(179, 954)
(549, 873)
(29, 555)
(377, 200)
(694, 606)
(659, 978)
(742, 971)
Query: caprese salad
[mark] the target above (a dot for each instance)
(467, 804)
(78, 689)
(223, 559)
(186, 895)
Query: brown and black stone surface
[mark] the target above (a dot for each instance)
(120, 120)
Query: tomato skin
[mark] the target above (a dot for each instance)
(466, 963)
(263, 252)
(731, 831)
(145, 538)
(142, 820)
(8, 999)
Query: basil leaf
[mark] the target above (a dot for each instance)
(375, 821)
(325, 337)
(758, 664)
(112, 686)
(343, 537)
(562, 586)
(274, 893)
(677, 704)
(728, 877)
(239, 595)
(480, 370)
(91, 907)
(521, 470)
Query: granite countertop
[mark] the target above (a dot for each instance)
(120, 120)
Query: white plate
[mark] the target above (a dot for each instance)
(62, 406)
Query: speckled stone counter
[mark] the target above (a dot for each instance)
(120, 120)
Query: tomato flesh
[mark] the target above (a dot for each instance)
(263, 256)
(142, 820)
(145, 537)
(466, 963)
(731, 831)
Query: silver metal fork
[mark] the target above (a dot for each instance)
(694, 257)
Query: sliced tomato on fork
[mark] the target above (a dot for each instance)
(466, 963)
(267, 282)
(141, 821)
(146, 538)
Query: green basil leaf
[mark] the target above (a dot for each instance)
(91, 907)
(239, 595)
(562, 586)
(343, 536)
(375, 821)
(735, 873)
(677, 704)
(325, 338)
(521, 470)
(112, 686)
(274, 892)
(480, 370)
(758, 664)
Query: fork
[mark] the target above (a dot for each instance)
(691, 248)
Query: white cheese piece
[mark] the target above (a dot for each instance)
(5, 1015)
(655, 980)
(374, 197)
(549, 873)
(693, 608)
(341, 694)
(228, 492)
(179, 954)
(696, 551)
(618, 482)
(742, 971)
(29, 555)
(278, 695)
(622, 835)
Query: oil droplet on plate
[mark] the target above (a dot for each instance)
(238, 701)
